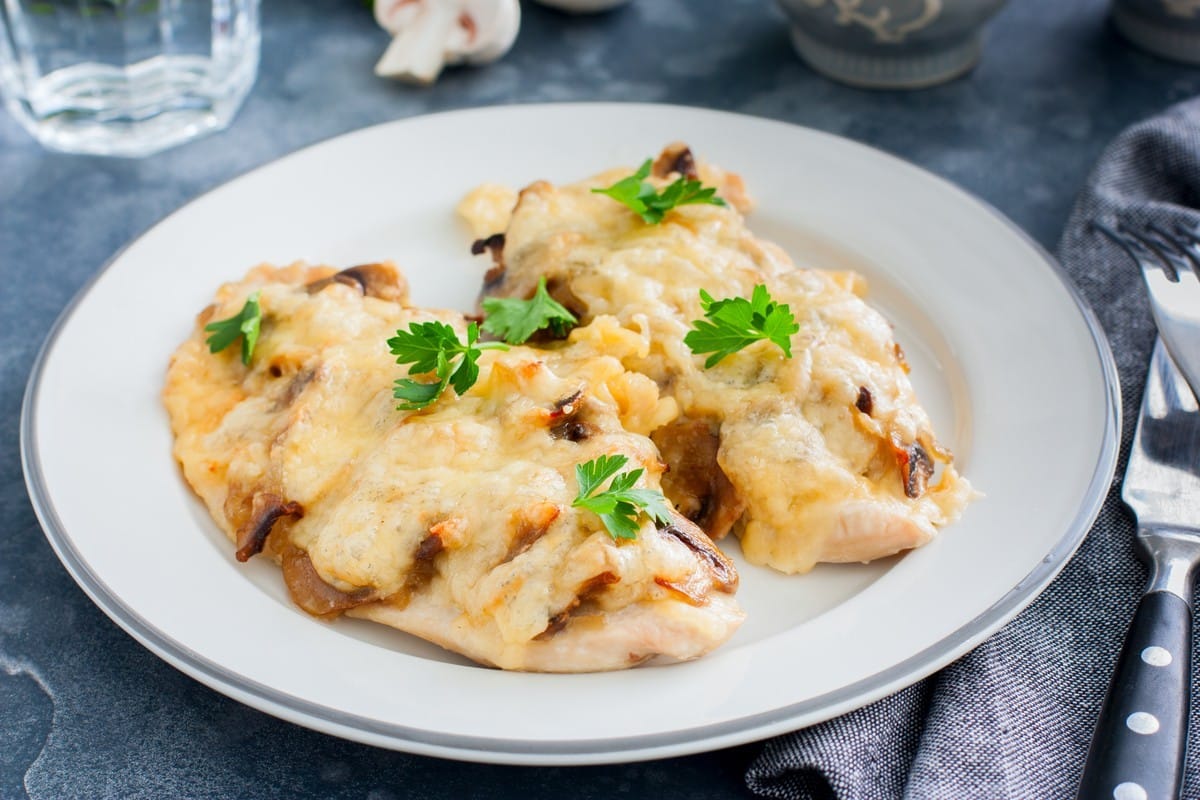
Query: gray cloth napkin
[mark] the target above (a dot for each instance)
(1013, 718)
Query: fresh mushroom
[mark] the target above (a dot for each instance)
(429, 34)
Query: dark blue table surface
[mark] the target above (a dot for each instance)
(86, 712)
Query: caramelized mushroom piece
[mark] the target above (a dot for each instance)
(422, 568)
(529, 524)
(494, 245)
(265, 510)
(558, 288)
(865, 402)
(725, 577)
(694, 480)
(295, 387)
(678, 158)
(373, 280)
(916, 467)
(565, 422)
(587, 590)
(310, 592)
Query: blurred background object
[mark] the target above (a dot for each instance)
(126, 77)
(889, 44)
(1167, 28)
(583, 6)
(431, 34)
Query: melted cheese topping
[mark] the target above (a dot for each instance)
(454, 522)
(821, 479)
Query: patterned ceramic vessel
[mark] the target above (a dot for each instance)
(1167, 28)
(889, 44)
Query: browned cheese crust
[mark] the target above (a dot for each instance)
(826, 456)
(455, 522)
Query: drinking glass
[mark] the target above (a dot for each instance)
(126, 77)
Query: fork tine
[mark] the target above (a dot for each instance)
(1159, 285)
(1190, 237)
(1185, 258)
(1163, 258)
(1125, 243)
(1192, 234)
(1147, 257)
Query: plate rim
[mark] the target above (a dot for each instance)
(639, 747)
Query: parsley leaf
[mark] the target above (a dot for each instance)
(620, 505)
(244, 324)
(651, 205)
(515, 320)
(432, 347)
(735, 322)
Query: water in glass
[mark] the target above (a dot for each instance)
(126, 77)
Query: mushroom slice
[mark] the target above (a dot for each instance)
(430, 34)
(381, 280)
(267, 508)
(695, 481)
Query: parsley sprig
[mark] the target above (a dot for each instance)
(735, 322)
(650, 204)
(245, 324)
(620, 505)
(434, 347)
(515, 320)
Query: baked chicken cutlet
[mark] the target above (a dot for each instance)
(815, 453)
(454, 522)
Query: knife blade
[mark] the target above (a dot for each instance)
(1137, 750)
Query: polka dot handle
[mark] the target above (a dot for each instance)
(1138, 748)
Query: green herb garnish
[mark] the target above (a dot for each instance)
(515, 320)
(245, 324)
(650, 204)
(433, 347)
(735, 322)
(620, 505)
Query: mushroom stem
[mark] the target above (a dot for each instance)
(430, 34)
(418, 53)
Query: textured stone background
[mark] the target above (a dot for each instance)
(85, 712)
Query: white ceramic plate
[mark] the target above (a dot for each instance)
(1013, 368)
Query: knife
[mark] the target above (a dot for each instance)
(1138, 748)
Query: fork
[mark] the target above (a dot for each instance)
(1170, 264)
(1138, 749)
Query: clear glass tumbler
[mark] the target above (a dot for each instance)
(126, 77)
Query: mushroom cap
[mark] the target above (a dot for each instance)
(482, 31)
(429, 34)
(496, 23)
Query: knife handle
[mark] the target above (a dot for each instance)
(1138, 748)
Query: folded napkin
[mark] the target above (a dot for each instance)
(1013, 718)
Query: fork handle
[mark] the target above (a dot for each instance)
(1138, 749)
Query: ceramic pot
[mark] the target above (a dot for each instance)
(889, 44)
(1168, 28)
